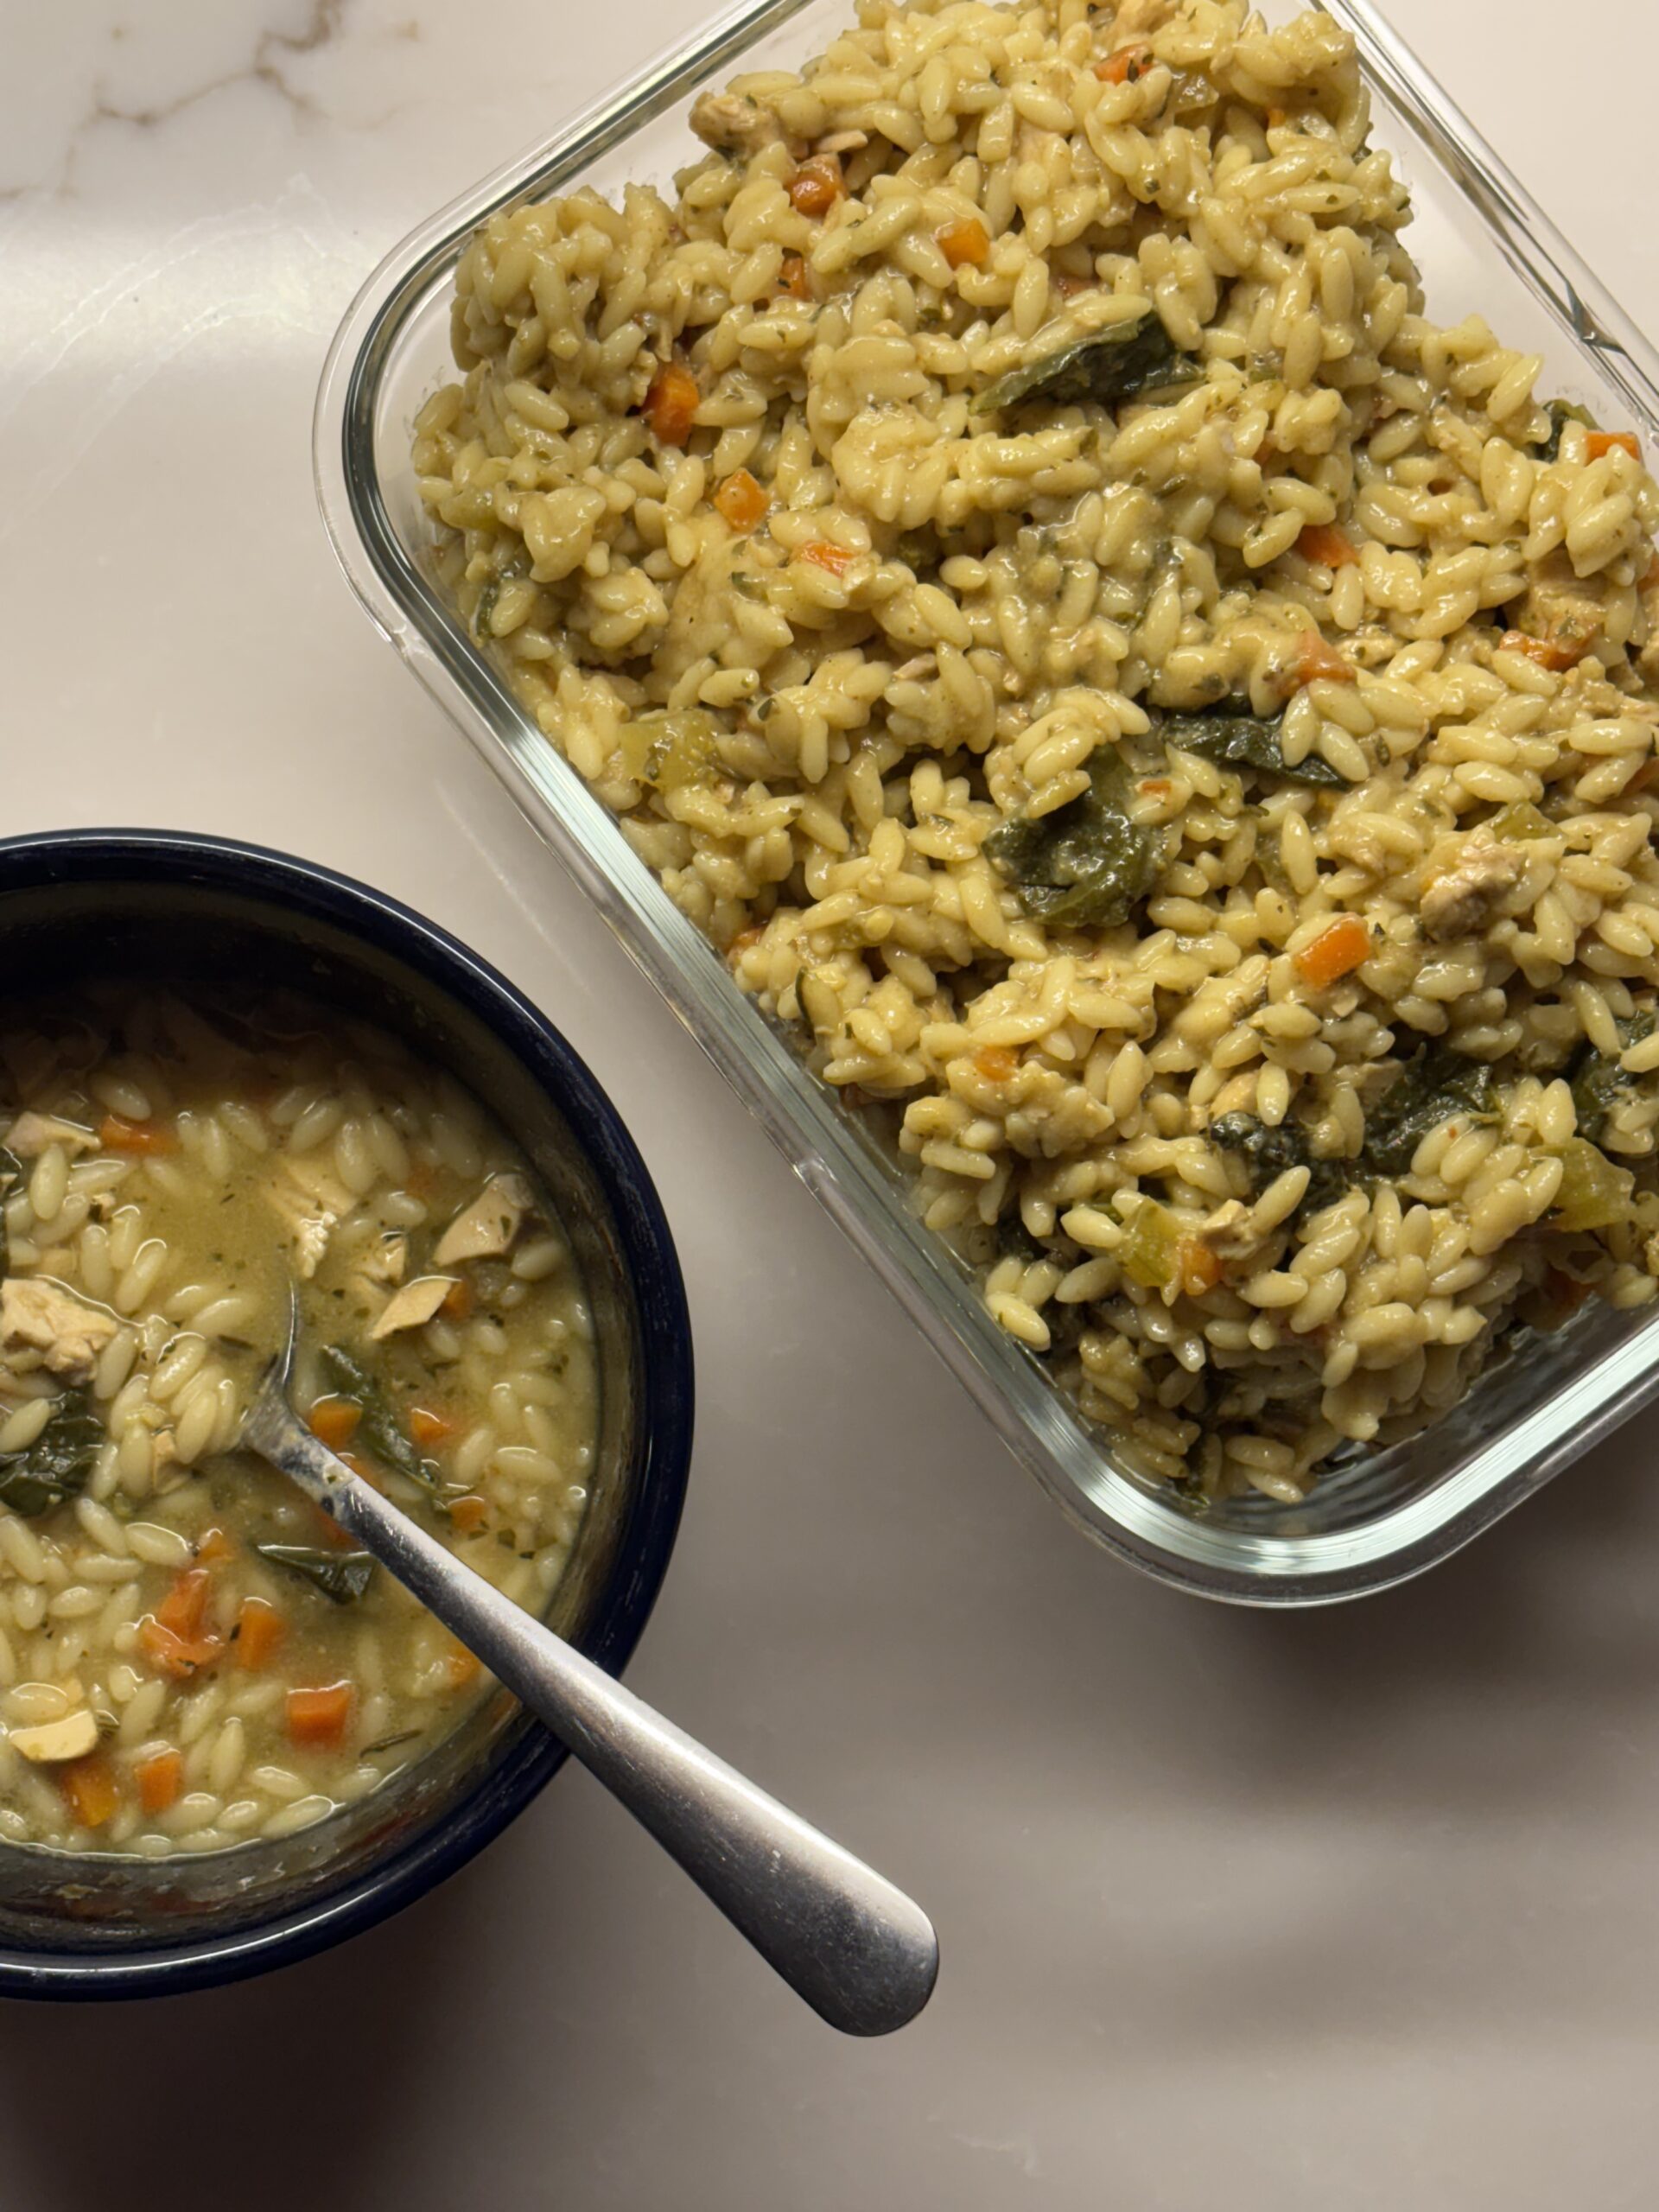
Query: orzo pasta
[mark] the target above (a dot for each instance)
(191, 1655)
(1172, 726)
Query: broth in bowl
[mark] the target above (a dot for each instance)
(191, 1655)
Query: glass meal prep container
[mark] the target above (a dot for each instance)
(1379, 1515)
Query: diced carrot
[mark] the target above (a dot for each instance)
(817, 185)
(429, 1426)
(259, 1630)
(997, 1063)
(333, 1422)
(1597, 443)
(741, 501)
(1316, 661)
(468, 1514)
(184, 1606)
(182, 1657)
(458, 1300)
(1156, 788)
(463, 1668)
(215, 1547)
(1198, 1267)
(793, 280)
(1336, 952)
(143, 1140)
(672, 403)
(1326, 546)
(825, 553)
(160, 1779)
(968, 241)
(89, 1789)
(322, 1714)
(1557, 656)
(1125, 65)
(1277, 117)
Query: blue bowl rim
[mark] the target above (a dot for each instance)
(208, 862)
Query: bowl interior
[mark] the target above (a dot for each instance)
(195, 919)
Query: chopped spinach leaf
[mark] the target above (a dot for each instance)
(1267, 1153)
(484, 608)
(1429, 1089)
(56, 1466)
(382, 1434)
(1561, 413)
(1107, 367)
(342, 1577)
(1086, 865)
(1247, 741)
(1597, 1081)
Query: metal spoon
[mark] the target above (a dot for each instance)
(858, 1950)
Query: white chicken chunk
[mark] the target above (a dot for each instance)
(308, 1209)
(1461, 902)
(30, 1133)
(487, 1228)
(1560, 607)
(733, 124)
(51, 1741)
(412, 1307)
(36, 1315)
(1227, 1232)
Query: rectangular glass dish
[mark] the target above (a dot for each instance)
(1482, 246)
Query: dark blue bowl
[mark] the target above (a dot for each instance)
(157, 904)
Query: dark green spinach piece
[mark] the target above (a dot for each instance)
(1598, 1082)
(483, 611)
(1561, 413)
(1247, 741)
(1429, 1089)
(1267, 1153)
(1107, 367)
(342, 1577)
(383, 1434)
(1086, 865)
(56, 1466)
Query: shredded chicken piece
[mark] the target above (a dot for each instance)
(487, 1229)
(309, 1208)
(1558, 608)
(412, 1307)
(1227, 1233)
(30, 1133)
(49, 1741)
(1464, 899)
(842, 142)
(733, 124)
(37, 1316)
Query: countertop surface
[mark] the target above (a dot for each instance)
(1348, 1910)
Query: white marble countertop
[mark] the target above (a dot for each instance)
(1352, 1910)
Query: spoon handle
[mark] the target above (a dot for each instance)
(861, 1952)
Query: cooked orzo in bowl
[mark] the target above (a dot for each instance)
(1171, 727)
(224, 1737)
